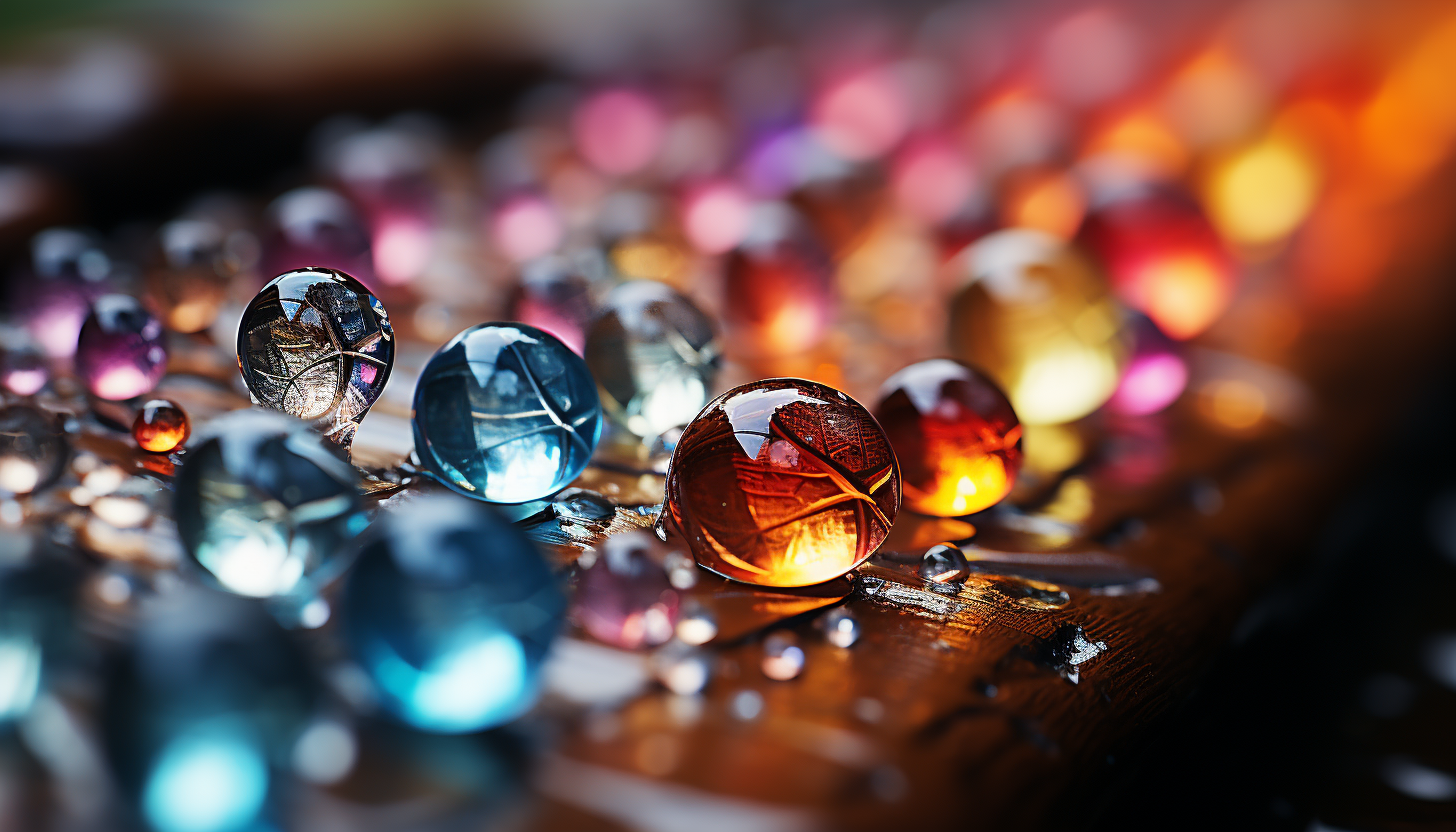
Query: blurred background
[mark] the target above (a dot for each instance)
(1265, 185)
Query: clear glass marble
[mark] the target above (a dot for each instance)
(450, 611)
(654, 356)
(265, 508)
(33, 450)
(121, 352)
(316, 344)
(506, 413)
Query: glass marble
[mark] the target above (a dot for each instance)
(160, 426)
(506, 413)
(69, 270)
(554, 295)
(1156, 375)
(779, 290)
(783, 482)
(1037, 316)
(189, 282)
(35, 619)
(654, 357)
(316, 344)
(624, 598)
(1164, 258)
(204, 702)
(33, 450)
(121, 352)
(944, 563)
(264, 507)
(956, 436)
(450, 612)
(316, 227)
(23, 370)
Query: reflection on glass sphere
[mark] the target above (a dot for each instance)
(33, 450)
(450, 611)
(315, 344)
(956, 436)
(654, 356)
(1037, 316)
(121, 352)
(506, 413)
(265, 507)
(69, 270)
(783, 482)
(209, 694)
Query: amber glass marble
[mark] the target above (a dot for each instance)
(1037, 315)
(783, 482)
(778, 289)
(160, 426)
(956, 436)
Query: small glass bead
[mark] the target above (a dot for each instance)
(160, 426)
(506, 413)
(624, 597)
(265, 508)
(944, 563)
(121, 352)
(682, 668)
(316, 344)
(696, 624)
(1038, 317)
(783, 658)
(654, 356)
(956, 436)
(450, 612)
(23, 371)
(783, 482)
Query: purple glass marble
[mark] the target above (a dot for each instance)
(624, 597)
(310, 227)
(121, 353)
(556, 296)
(68, 271)
(23, 371)
(1156, 374)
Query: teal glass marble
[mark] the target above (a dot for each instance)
(450, 610)
(506, 413)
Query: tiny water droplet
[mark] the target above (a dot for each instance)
(944, 563)
(583, 507)
(682, 668)
(840, 626)
(783, 658)
(747, 705)
(697, 625)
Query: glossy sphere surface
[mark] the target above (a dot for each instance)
(315, 344)
(450, 611)
(506, 413)
(1164, 259)
(653, 355)
(316, 227)
(779, 288)
(1156, 375)
(33, 451)
(121, 352)
(265, 507)
(160, 426)
(189, 283)
(955, 434)
(69, 270)
(783, 482)
(207, 696)
(624, 597)
(1037, 316)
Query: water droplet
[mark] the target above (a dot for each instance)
(944, 563)
(583, 507)
(696, 625)
(659, 453)
(746, 705)
(682, 668)
(783, 658)
(1067, 650)
(840, 627)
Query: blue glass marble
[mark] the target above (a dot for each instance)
(35, 617)
(450, 610)
(199, 710)
(506, 413)
(265, 508)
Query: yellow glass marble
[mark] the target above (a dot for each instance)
(1037, 315)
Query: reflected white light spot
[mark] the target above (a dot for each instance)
(212, 778)
(20, 661)
(325, 753)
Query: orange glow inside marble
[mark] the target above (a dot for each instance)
(160, 426)
(956, 436)
(783, 482)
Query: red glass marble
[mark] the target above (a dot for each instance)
(121, 352)
(779, 287)
(1163, 258)
(783, 482)
(160, 426)
(956, 436)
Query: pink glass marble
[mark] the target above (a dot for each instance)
(1155, 376)
(121, 353)
(554, 296)
(68, 271)
(624, 598)
(23, 371)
